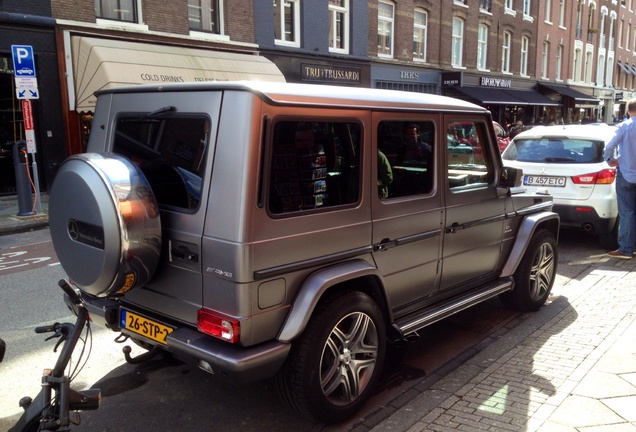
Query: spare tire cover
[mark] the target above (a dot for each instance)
(104, 223)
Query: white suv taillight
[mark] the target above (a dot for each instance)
(219, 325)
(605, 176)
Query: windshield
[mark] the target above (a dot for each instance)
(555, 149)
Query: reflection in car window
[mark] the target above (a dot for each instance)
(170, 152)
(555, 149)
(468, 166)
(405, 149)
(314, 165)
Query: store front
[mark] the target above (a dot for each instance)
(405, 78)
(509, 101)
(578, 107)
(97, 63)
(298, 68)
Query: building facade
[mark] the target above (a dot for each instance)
(525, 60)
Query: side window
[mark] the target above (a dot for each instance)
(468, 162)
(314, 165)
(405, 158)
(170, 152)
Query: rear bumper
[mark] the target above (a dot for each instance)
(235, 362)
(584, 218)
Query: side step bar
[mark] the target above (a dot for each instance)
(418, 320)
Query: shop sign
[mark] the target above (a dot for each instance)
(451, 79)
(495, 82)
(618, 96)
(312, 72)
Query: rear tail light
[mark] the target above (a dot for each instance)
(219, 325)
(605, 176)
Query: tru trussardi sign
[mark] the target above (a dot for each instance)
(312, 72)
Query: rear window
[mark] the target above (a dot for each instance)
(556, 150)
(169, 151)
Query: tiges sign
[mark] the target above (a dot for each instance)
(311, 72)
(495, 82)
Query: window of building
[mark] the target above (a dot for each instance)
(620, 34)
(588, 67)
(562, 13)
(547, 11)
(545, 53)
(526, 7)
(559, 63)
(482, 46)
(405, 158)
(505, 52)
(118, 10)
(509, 5)
(576, 67)
(205, 16)
(627, 38)
(485, 5)
(525, 44)
(287, 22)
(385, 28)
(457, 42)
(339, 26)
(420, 34)
(314, 165)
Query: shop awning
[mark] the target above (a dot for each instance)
(565, 90)
(532, 97)
(104, 63)
(625, 68)
(497, 96)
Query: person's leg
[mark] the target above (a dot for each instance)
(626, 199)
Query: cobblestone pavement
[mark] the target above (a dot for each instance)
(575, 372)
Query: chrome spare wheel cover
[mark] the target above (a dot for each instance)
(348, 359)
(104, 223)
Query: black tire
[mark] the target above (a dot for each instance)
(332, 369)
(535, 275)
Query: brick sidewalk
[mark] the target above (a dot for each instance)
(576, 371)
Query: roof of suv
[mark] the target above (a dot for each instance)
(600, 131)
(315, 94)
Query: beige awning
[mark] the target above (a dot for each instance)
(104, 63)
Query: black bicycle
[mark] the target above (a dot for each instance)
(57, 406)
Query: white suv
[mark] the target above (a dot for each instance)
(566, 161)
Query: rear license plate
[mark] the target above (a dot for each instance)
(144, 326)
(530, 180)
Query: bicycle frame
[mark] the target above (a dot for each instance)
(40, 413)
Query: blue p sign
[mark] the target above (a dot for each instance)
(23, 64)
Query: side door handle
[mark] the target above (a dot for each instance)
(385, 244)
(454, 228)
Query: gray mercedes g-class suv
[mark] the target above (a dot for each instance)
(293, 230)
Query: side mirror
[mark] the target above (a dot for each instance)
(510, 177)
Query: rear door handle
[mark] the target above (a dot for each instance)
(385, 244)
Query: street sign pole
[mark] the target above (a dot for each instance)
(27, 115)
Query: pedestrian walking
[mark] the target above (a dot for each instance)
(620, 152)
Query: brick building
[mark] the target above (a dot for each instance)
(563, 60)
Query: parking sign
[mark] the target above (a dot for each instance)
(23, 64)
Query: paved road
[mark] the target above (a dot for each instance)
(167, 394)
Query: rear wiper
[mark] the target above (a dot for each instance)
(158, 112)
